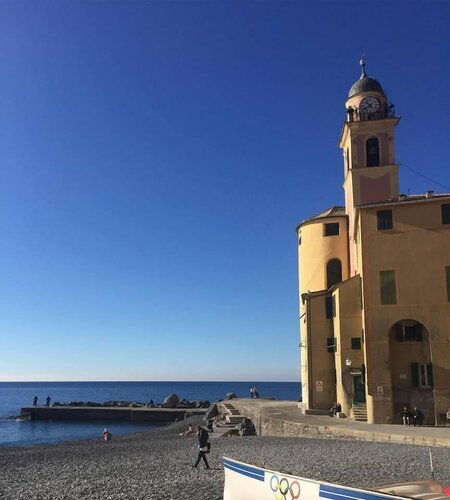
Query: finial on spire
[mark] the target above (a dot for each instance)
(362, 63)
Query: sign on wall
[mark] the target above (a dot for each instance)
(319, 386)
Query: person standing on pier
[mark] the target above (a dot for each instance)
(47, 401)
(203, 447)
(35, 400)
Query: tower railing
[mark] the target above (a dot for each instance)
(355, 115)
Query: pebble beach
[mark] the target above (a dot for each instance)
(158, 465)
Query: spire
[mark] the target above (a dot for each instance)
(362, 63)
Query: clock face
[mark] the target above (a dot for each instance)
(370, 105)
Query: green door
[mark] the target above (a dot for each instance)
(359, 389)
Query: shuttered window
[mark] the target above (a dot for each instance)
(387, 287)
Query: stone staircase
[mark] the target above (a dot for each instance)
(360, 412)
(232, 416)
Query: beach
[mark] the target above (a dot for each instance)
(158, 465)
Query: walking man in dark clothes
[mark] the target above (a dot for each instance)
(203, 446)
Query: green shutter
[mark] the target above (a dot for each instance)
(447, 270)
(415, 374)
(430, 374)
(418, 332)
(399, 332)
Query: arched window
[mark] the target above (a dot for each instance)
(372, 152)
(334, 272)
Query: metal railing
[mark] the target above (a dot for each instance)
(355, 115)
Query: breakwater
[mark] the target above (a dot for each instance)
(139, 414)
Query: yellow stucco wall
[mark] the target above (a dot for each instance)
(417, 249)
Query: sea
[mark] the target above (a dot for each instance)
(15, 395)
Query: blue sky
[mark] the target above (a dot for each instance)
(156, 158)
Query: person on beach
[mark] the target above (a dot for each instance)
(47, 401)
(106, 435)
(189, 432)
(35, 400)
(203, 446)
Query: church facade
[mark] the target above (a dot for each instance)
(374, 281)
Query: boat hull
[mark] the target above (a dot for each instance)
(248, 482)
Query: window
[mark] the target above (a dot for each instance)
(331, 344)
(334, 272)
(331, 229)
(384, 220)
(422, 375)
(408, 333)
(445, 209)
(356, 343)
(372, 152)
(329, 307)
(299, 239)
(447, 272)
(387, 287)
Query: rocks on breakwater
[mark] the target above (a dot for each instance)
(171, 401)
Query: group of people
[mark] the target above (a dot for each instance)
(416, 416)
(335, 409)
(47, 401)
(254, 393)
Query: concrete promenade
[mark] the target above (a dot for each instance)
(284, 419)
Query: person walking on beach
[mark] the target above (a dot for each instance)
(203, 447)
(35, 400)
(47, 401)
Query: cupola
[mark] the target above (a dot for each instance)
(365, 83)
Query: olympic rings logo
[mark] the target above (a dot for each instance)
(283, 489)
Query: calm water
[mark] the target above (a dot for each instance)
(14, 395)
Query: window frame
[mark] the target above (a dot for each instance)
(331, 344)
(356, 343)
(445, 213)
(447, 276)
(333, 274)
(330, 225)
(388, 290)
(422, 375)
(384, 222)
(374, 140)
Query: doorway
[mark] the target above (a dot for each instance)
(359, 389)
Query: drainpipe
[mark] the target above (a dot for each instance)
(434, 390)
(306, 297)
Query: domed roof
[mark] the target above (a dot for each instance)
(365, 83)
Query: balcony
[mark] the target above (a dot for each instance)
(355, 115)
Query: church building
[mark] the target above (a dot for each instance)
(374, 281)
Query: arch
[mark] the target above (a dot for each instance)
(372, 152)
(411, 370)
(334, 272)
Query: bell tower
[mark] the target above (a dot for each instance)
(367, 142)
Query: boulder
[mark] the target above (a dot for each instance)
(170, 401)
(231, 395)
(184, 403)
(202, 404)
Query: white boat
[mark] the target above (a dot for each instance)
(249, 482)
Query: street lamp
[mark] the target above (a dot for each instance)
(348, 362)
